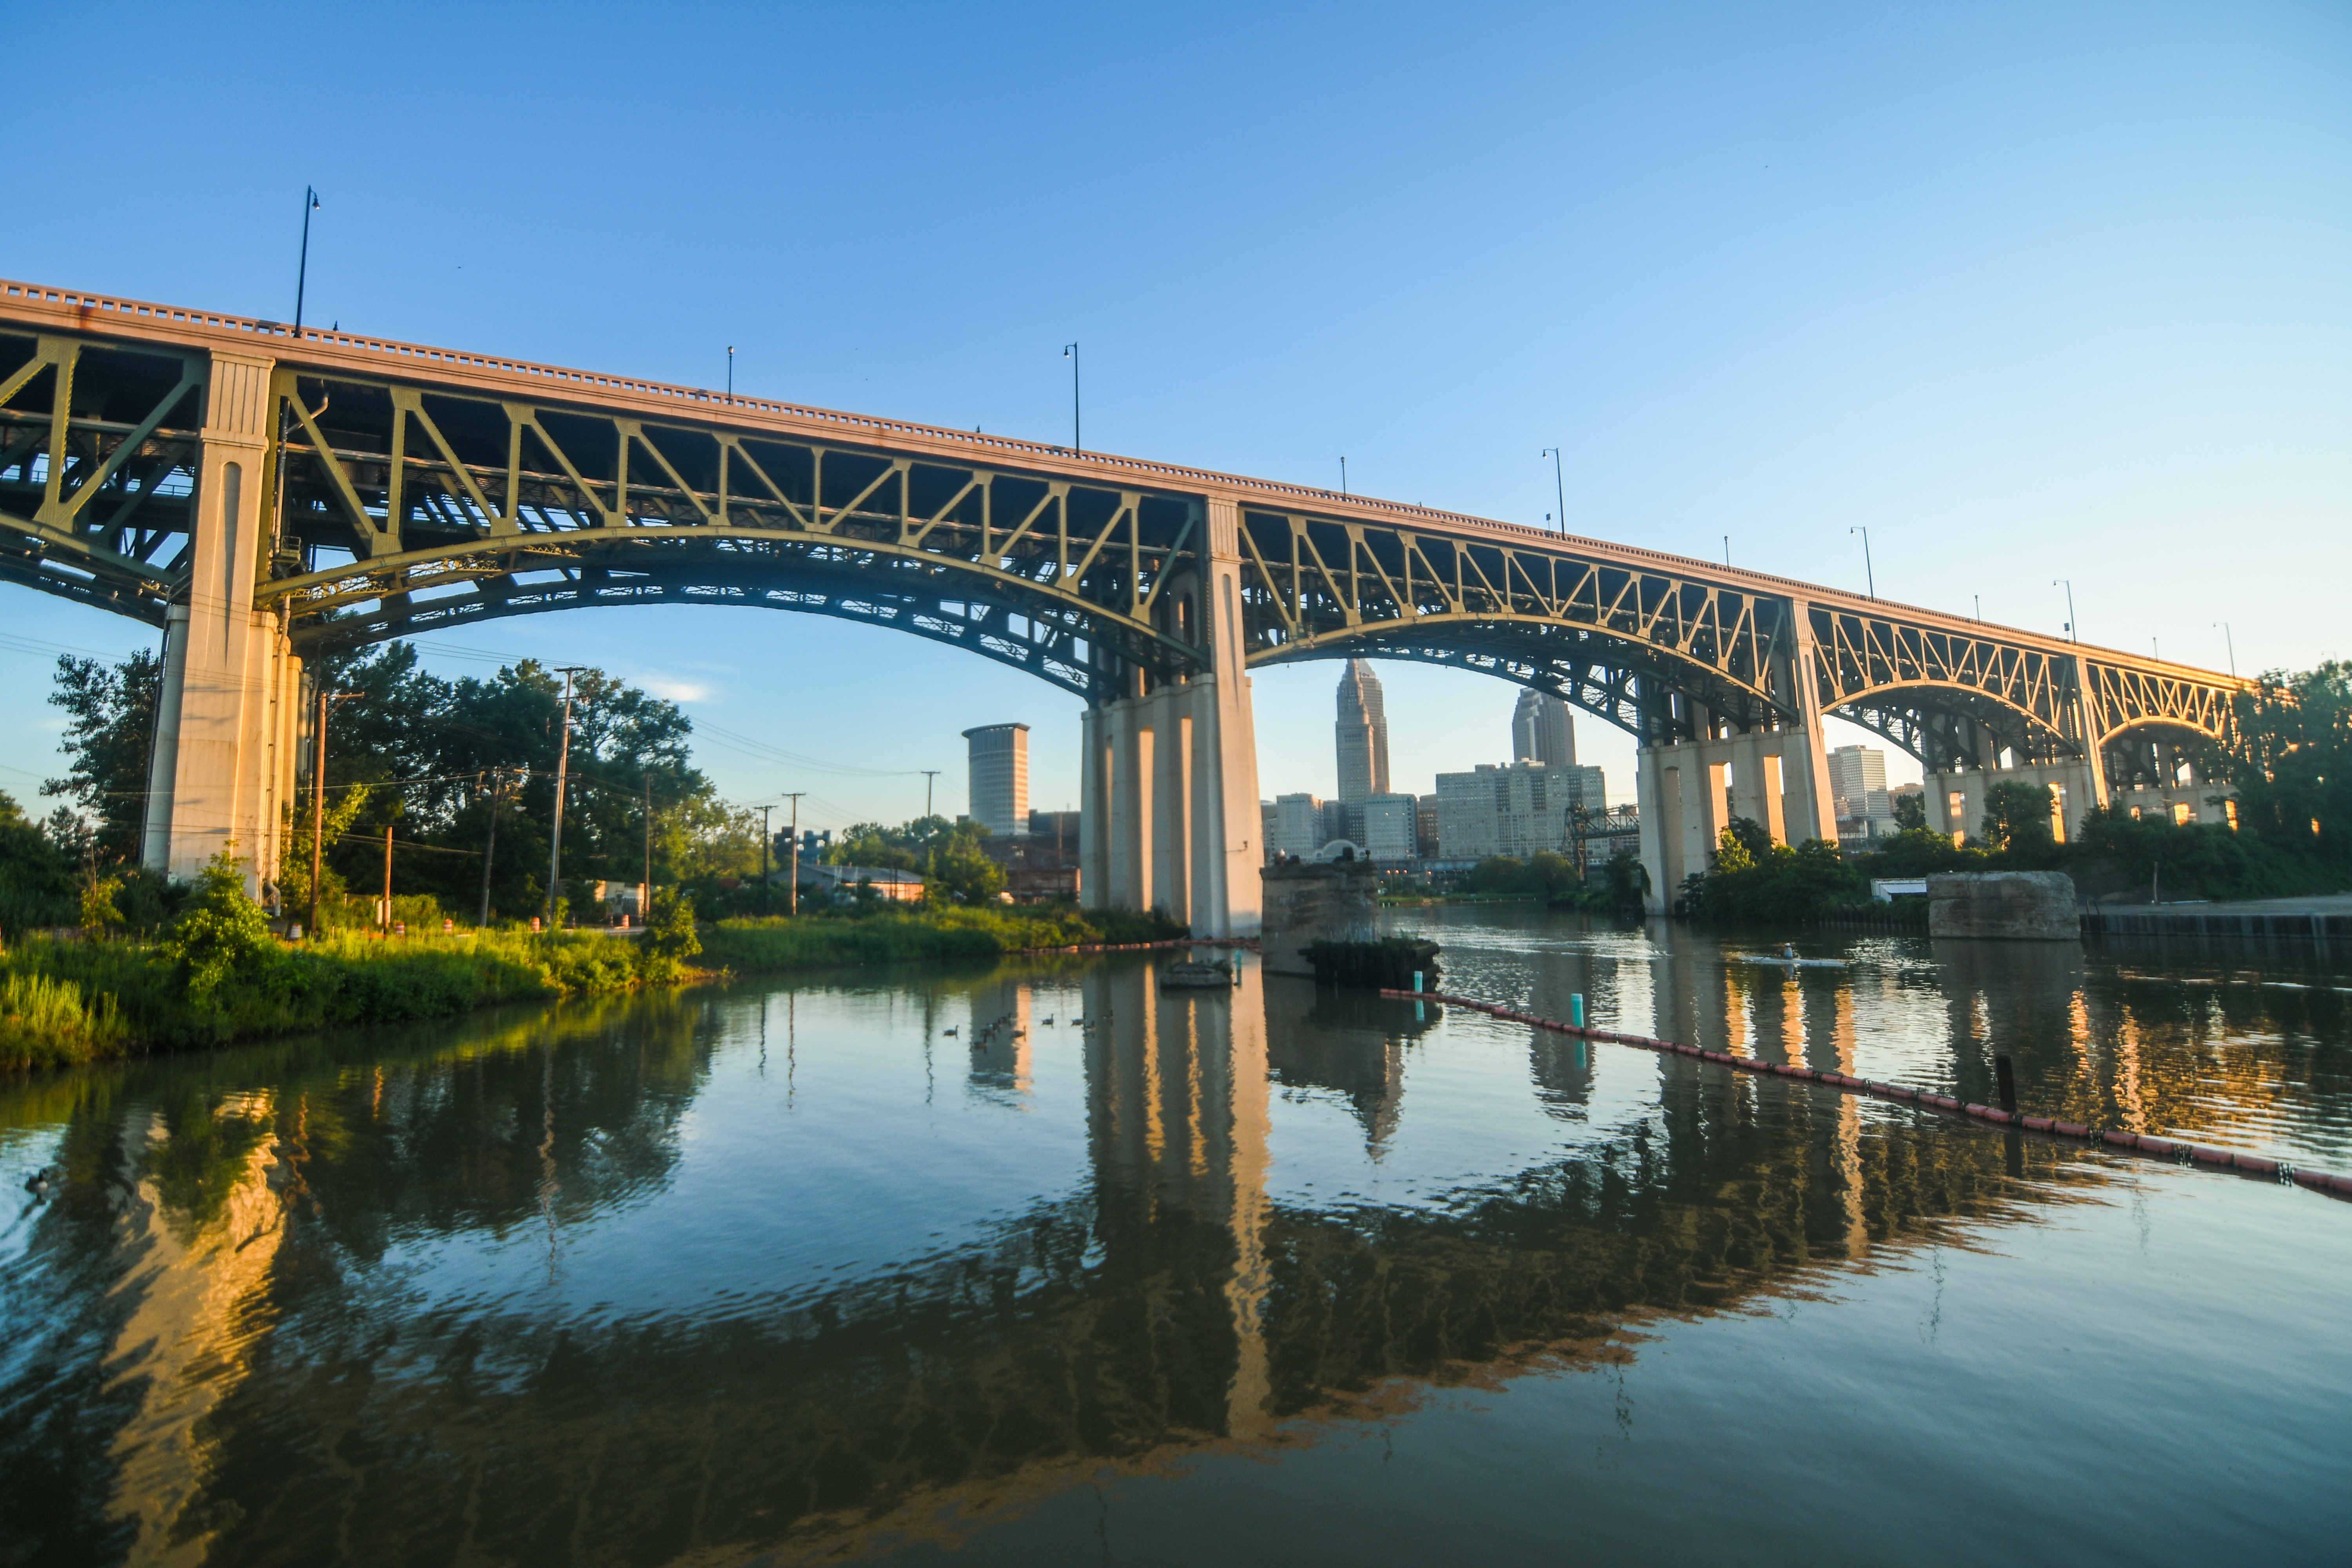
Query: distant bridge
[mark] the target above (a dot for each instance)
(268, 495)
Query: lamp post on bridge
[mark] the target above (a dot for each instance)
(730, 373)
(1869, 573)
(1560, 490)
(1070, 353)
(2231, 643)
(302, 271)
(2068, 582)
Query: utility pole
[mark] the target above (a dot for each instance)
(563, 763)
(928, 774)
(387, 879)
(645, 889)
(764, 838)
(794, 797)
(319, 798)
(491, 850)
(1070, 353)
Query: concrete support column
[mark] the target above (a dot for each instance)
(1130, 827)
(225, 763)
(1172, 793)
(2095, 725)
(1808, 777)
(1658, 797)
(155, 848)
(1177, 806)
(1094, 811)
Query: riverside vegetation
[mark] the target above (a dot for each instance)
(461, 774)
(217, 973)
(2289, 760)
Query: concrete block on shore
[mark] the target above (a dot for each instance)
(1336, 900)
(2016, 906)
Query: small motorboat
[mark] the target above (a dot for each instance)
(1188, 974)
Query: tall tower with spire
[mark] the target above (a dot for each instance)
(1363, 734)
(1541, 731)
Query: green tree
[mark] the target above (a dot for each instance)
(1629, 881)
(2016, 823)
(1911, 811)
(2289, 755)
(224, 935)
(958, 871)
(37, 882)
(108, 739)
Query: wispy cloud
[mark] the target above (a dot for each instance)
(673, 689)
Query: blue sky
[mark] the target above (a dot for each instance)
(2032, 291)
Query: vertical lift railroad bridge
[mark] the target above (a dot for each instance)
(262, 495)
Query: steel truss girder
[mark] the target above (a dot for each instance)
(1869, 663)
(95, 476)
(2126, 699)
(431, 490)
(999, 614)
(1321, 588)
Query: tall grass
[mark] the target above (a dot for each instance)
(751, 945)
(65, 1002)
(44, 1022)
(129, 996)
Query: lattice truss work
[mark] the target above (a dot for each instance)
(99, 454)
(1610, 637)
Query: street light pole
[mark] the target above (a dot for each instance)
(1560, 489)
(302, 272)
(1343, 475)
(730, 372)
(563, 765)
(1070, 353)
(1869, 573)
(2069, 582)
(2230, 643)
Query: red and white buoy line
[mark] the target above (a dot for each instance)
(2177, 1150)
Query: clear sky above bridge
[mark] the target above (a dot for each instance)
(2032, 291)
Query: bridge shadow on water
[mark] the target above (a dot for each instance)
(235, 1334)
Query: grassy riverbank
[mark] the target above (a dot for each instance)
(66, 1002)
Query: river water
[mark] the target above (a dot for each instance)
(1039, 1264)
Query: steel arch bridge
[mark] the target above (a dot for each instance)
(397, 489)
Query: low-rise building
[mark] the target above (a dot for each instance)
(890, 883)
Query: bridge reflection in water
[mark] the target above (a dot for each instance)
(449, 1303)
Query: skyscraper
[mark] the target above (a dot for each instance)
(999, 777)
(1541, 731)
(1364, 732)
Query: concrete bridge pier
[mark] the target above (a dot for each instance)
(1167, 778)
(228, 713)
(1688, 793)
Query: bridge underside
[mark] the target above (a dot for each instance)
(268, 498)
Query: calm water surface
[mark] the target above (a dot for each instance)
(1108, 1274)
